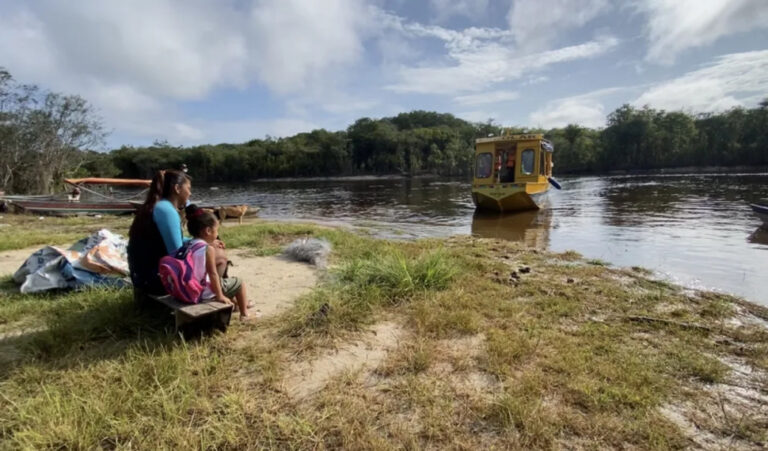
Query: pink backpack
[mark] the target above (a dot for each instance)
(177, 273)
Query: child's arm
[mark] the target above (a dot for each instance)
(210, 268)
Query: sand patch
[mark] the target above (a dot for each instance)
(10, 261)
(728, 415)
(307, 378)
(272, 283)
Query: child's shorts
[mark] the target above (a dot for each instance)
(230, 286)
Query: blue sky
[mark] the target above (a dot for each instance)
(195, 71)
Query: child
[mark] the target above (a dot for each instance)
(202, 225)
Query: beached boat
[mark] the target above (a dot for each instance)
(761, 210)
(71, 204)
(512, 172)
(100, 196)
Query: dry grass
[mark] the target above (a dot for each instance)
(552, 357)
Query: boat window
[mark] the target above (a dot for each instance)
(527, 160)
(543, 163)
(483, 165)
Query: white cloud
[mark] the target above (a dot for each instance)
(296, 40)
(536, 23)
(135, 60)
(484, 59)
(559, 113)
(676, 25)
(738, 79)
(161, 48)
(479, 116)
(487, 97)
(182, 49)
(196, 131)
(585, 109)
(247, 129)
(445, 9)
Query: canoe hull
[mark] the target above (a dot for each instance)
(75, 208)
(761, 211)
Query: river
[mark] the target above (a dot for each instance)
(695, 230)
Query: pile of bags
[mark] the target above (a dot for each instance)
(100, 259)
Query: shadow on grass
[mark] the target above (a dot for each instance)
(86, 327)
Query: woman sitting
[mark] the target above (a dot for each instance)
(156, 229)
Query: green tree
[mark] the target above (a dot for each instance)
(43, 136)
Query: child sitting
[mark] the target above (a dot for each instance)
(204, 226)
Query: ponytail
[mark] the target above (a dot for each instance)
(161, 187)
(155, 192)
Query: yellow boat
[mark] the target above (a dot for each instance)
(512, 172)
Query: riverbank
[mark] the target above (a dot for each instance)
(441, 343)
(681, 170)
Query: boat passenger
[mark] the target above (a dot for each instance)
(74, 196)
(508, 174)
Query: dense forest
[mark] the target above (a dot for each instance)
(427, 142)
(46, 136)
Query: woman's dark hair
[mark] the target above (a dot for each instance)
(198, 219)
(162, 186)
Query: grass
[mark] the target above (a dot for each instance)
(546, 359)
(25, 231)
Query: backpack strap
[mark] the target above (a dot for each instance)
(188, 247)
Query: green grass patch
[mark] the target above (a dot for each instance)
(362, 286)
(25, 231)
(397, 277)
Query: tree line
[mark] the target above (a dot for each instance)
(645, 138)
(46, 136)
(422, 142)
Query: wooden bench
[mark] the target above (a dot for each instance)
(207, 313)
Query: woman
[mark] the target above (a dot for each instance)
(156, 229)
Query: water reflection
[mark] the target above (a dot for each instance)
(528, 227)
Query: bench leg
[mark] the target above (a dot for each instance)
(222, 319)
(219, 320)
(181, 319)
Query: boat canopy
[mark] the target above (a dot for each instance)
(116, 182)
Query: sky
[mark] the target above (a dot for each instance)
(204, 71)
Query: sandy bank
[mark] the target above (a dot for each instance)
(272, 283)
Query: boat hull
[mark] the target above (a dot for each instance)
(508, 199)
(762, 212)
(75, 208)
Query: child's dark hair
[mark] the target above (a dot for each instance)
(198, 219)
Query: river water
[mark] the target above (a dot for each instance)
(696, 230)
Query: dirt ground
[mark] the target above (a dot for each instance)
(272, 283)
(10, 261)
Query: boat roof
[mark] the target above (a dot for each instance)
(102, 181)
(522, 137)
(546, 145)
